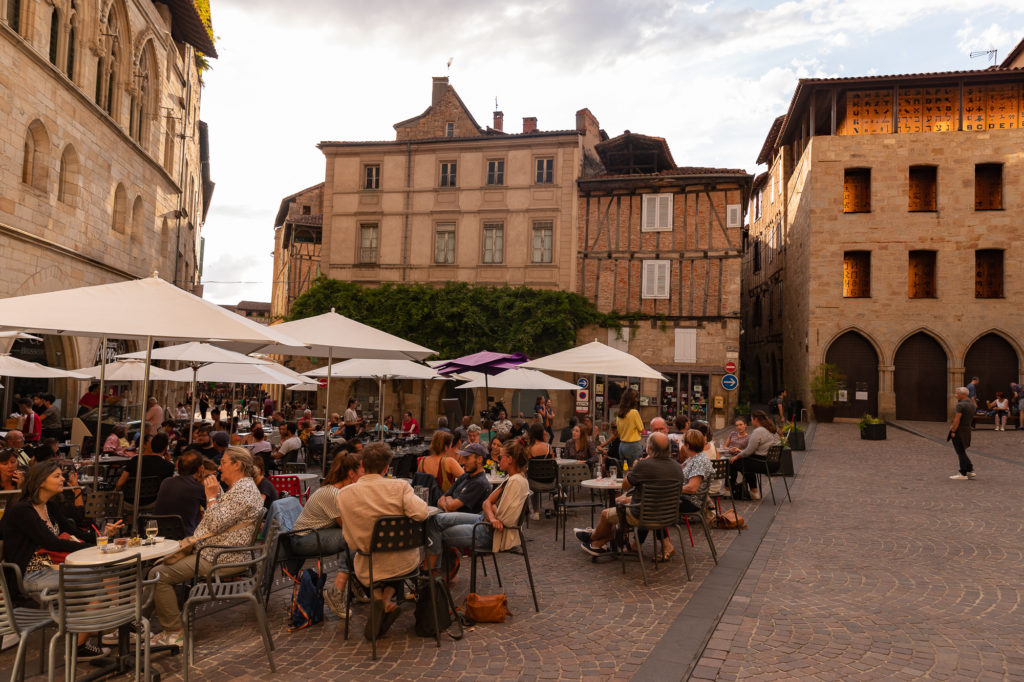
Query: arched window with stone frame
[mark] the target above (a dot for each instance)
(138, 220)
(55, 29)
(142, 100)
(71, 49)
(119, 218)
(68, 177)
(35, 168)
(112, 39)
(13, 14)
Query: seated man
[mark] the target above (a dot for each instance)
(469, 490)
(201, 442)
(657, 466)
(360, 505)
(291, 445)
(183, 494)
(229, 520)
(153, 462)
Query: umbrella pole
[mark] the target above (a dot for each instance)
(192, 414)
(99, 413)
(142, 438)
(380, 406)
(327, 410)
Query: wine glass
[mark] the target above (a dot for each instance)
(152, 528)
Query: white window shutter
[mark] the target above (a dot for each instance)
(655, 282)
(664, 211)
(686, 345)
(650, 212)
(733, 215)
(619, 339)
(657, 213)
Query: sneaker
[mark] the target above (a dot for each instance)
(335, 600)
(583, 535)
(755, 494)
(359, 593)
(169, 638)
(959, 477)
(88, 651)
(110, 639)
(593, 551)
(971, 475)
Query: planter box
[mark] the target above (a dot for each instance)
(824, 413)
(873, 432)
(786, 462)
(796, 440)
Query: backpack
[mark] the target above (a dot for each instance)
(307, 599)
(445, 608)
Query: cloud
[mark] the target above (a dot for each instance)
(995, 37)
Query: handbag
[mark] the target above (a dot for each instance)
(307, 598)
(188, 545)
(487, 608)
(730, 519)
(57, 557)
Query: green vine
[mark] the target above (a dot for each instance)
(458, 318)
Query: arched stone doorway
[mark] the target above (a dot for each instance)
(919, 379)
(994, 361)
(857, 360)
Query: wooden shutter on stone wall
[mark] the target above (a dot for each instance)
(857, 274)
(922, 191)
(988, 273)
(857, 190)
(988, 186)
(921, 274)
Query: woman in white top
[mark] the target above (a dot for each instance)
(1001, 408)
(750, 460)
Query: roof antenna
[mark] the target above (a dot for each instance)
(986, 53)
(495, 102)
(450, 60)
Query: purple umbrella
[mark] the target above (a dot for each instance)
(486, 362)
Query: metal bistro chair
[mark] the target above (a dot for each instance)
(542, 473)
(96, 598)
(658, 510)
(483, 552)
(170, 526)
(15, 620)
(148, 489)
(569, 477)
(104, 505)
(293, 468)
(722, 474)
(215, 587)
(771, 470)
(289, 485)
(700, 515)
(392, 534)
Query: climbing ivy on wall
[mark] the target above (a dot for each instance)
(458, 318)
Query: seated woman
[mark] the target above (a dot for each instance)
(267, 490)
(10, 476)
(750, 460)
(697, 474)
(538, 446)
(321, 514)
(1000, 410)
(580, 446)
(34, 526)
(710, 451)
(502, 508)
(115, 442)
(739, 438)
(442, 462)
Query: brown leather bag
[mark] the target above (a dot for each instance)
(487, 608)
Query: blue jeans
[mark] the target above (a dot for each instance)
(455, 529)
(629, 452)
(37, 581)
(332, 541)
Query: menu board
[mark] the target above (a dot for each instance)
(868, 112)
(928, 110)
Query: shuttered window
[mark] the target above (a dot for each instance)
(921, 275)
(657, 213)
(921, 194)
(857, 190)
(368, 239)
(543, 241)
(656, 273)
(988, 273)
(988, 186)
(685, 346)
(857, 274)
(444, 244)
(494, 241)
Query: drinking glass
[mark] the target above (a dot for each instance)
(612, 473)
(152, 528)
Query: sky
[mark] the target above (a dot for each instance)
(709, 77)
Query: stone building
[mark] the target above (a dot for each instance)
(297, 238)
(664, 243)
(105, 163)
(891, 241)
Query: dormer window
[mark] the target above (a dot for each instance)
(449, 129)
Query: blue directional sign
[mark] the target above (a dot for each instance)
(730, 382)
(582, 382)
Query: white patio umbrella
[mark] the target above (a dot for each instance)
(303, 387)
(337, 336)
(127, 370)
(13, 367)
(197, 354)
(595, 358)
(158, 310)
(231, 373)
(381, 370)
(518, 378)
(18, 335)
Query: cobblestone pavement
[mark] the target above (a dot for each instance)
(883, 568)
(594, 623)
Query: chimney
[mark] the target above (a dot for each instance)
(499, 117)
(529, 124)
(440, 86)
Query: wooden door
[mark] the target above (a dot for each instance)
(857, 360)
(994, 361)
(920, 380)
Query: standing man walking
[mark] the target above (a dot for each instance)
(960, 433)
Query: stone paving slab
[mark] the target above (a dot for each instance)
(883, 568)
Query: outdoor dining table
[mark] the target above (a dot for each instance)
(94, 555)
(612, 486)
(310, 482)
(496, 480)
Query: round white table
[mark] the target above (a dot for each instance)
(309, 482)
(94, 555)
(612, 486)
(496, 480)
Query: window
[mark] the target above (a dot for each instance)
(685, 345)
(368, 234)
(857, 274)
(448, 174)
(757, 254)
(494, 243)
(371, 176)
(760, 201)
(773, 239)
(543, 241)
(169, 137)
(657, 213)
(34, 168)
(307, 210)
(14, 14)
(54, 35)
(69, 66)
(119, 220)
(922, 191)
(496, 172)
(857, 190)
(444, 244)
(988, 186)
(988, 273)
(921, 275)
(734, 215)
(138, 219)
(449, 129)
(67, 178)
(545, 171)
(655, 283)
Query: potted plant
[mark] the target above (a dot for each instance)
(824, 386)
(793, 436)
(872, 428)
(741, 410)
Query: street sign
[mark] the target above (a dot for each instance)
(582, 382)
(730, 367)
(322, 383)
(730, 382)
(583, 395)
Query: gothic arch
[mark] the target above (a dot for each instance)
(852, 328)
(35, 168)
(119, 217)
(69, 177)
(890, 360)
(138, 220)
(998, 332)
(856, 356)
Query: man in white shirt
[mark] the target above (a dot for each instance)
(290, 444)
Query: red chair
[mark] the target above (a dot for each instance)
(289, 485)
